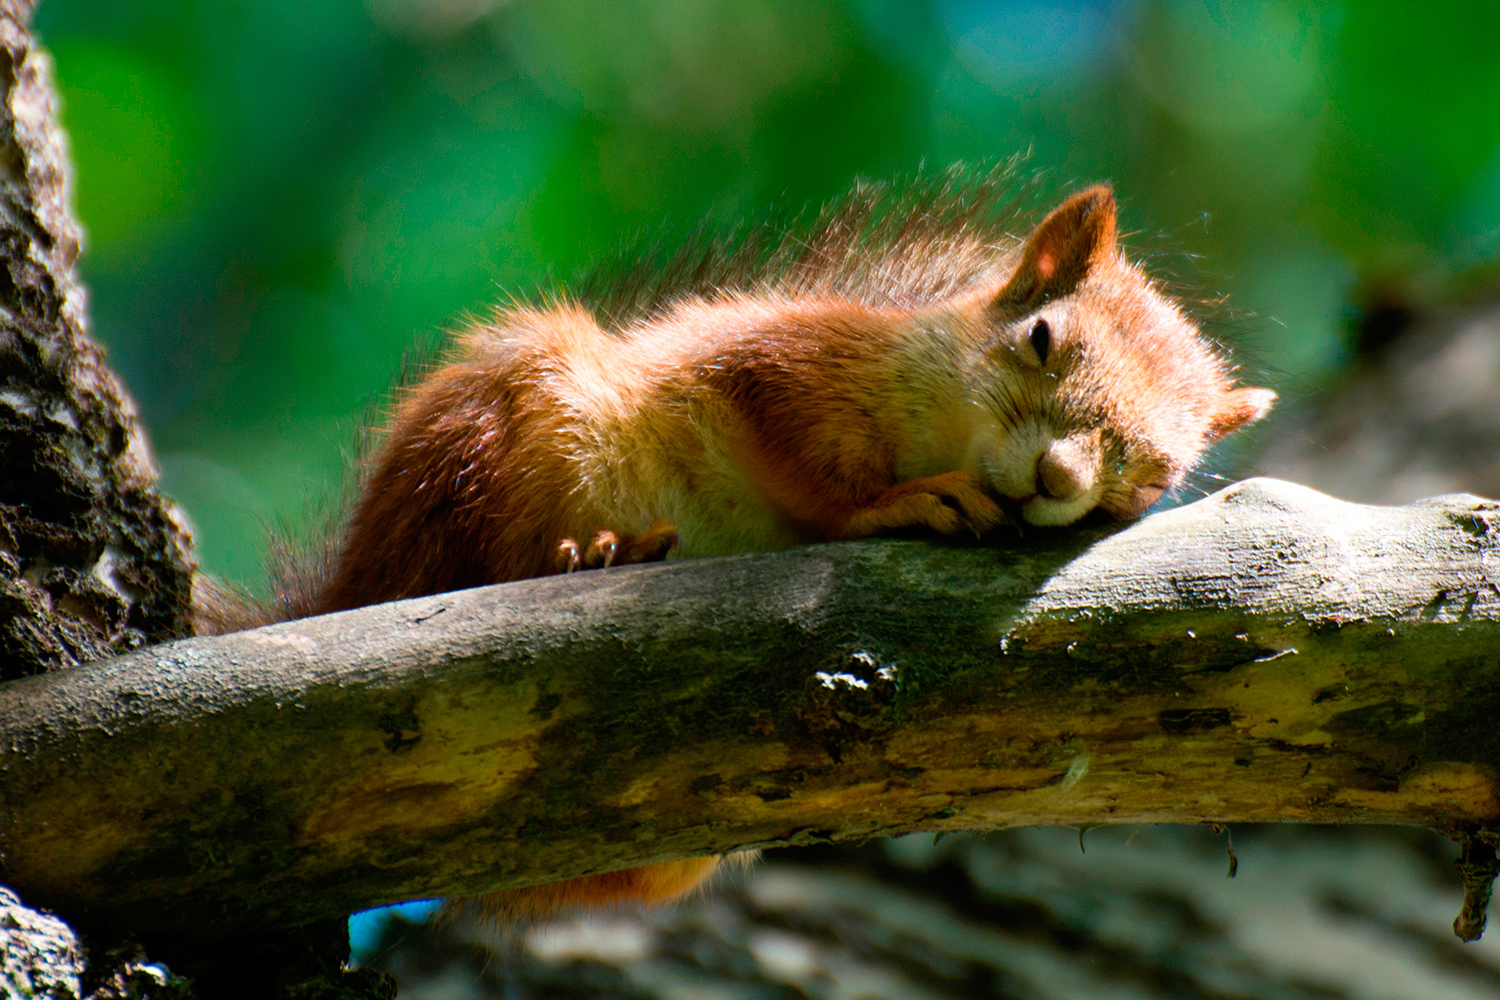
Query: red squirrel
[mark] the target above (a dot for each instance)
(901, 364)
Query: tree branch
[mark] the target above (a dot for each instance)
(1267, 653)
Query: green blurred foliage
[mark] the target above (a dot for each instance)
(281, 196)
(143, 127)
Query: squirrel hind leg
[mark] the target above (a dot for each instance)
(649, 885)
(610, 548)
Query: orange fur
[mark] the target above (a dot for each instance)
(941, 377)
(647, 884)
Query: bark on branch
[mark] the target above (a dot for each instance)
(1267, 653)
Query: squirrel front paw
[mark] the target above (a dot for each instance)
(610, 548)
(948, 504)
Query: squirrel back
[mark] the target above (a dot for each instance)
(903, 363)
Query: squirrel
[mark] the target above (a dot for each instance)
(901, 364)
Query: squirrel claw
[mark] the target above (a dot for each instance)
(610, 548)
(602, 550)
(566, 559)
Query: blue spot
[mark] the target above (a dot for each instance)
(366, 926)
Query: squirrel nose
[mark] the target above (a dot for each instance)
(1066, 470)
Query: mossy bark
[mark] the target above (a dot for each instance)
(1267, 653)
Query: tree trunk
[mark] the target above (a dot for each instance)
(93, 561)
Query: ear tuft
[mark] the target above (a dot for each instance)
(1238, 408)
(1074, 237)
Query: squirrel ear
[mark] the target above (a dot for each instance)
(1072, 239)
(1238, 408)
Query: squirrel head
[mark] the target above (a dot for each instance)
(1101, 393)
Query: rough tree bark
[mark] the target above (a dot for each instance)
(1268, 653)
(93, 561)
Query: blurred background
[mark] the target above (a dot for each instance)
(281, 196)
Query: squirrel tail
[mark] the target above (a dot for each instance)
(649, 885)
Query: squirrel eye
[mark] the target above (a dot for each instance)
(1041, 340)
